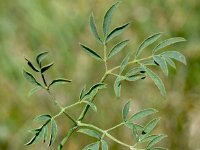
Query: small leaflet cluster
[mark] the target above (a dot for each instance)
(41, 133)
(132, 68)
(41, 70)
(140, 133)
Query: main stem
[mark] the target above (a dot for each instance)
(81, 117)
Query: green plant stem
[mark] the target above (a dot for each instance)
(105, 56)
(110, 129)
(105, 132)
(131, 62)
(81, 117)
(69, 133)
(44, 81)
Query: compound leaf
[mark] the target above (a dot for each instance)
(91, 52)
(108, 18)
(90, 132)
(148, 41)
(167, 43)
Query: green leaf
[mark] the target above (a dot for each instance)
(147, 138)
(117, 48)
(45, 133)
(148, 41)
(32, 66)
(34, 90)
(108, 18)
(149, 63)
(38, 135)
(143, 113)
(167, 43)
(94, 88)
(151, 125)
(54, 131)
(59, 81)
(90, 132)
(125, 111)
(117, 31)
(137, 126)
(135, 133)
(82, 92)
(162, 63)
(29, 77)
(42, 118)
(175, 55)
(135, 71)
(169, 61)
(155, 141)
(40, 57)
(94, 29)
(93, 146)
(158, 148)
(117, 87)
(91, 52)
(135, 77)
(92, 105)
(158, 82)
(124, 63)
(104, 145)
(45, 68)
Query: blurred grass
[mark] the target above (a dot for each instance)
(29, 27)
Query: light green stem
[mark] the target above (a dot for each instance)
(105, 132)
(131, 62)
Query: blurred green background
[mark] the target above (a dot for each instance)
(28, 27)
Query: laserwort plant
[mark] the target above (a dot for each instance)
(139, 69)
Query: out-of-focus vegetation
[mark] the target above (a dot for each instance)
(28, 27)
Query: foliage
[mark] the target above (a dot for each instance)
(131, 69)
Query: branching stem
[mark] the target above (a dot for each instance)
(81, 117)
